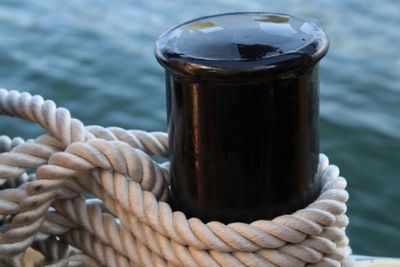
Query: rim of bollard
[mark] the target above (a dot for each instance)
(187, 51)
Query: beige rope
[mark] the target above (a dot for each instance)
(128, 222)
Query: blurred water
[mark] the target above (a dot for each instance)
(96, 58)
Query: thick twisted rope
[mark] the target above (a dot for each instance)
(128, 221)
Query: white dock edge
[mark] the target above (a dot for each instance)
(370, 261)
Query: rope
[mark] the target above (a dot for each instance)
(44, 204)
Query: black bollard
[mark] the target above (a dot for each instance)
(243, 107)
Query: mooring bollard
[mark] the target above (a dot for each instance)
(243, 107)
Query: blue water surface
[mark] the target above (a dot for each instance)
(96, 59)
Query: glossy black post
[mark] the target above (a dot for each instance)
(242, 97)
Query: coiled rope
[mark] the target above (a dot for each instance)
(126, 222)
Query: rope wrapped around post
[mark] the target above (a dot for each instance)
(126, 221)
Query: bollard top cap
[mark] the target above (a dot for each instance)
(250, 44)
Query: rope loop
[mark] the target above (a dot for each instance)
(126, 220)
